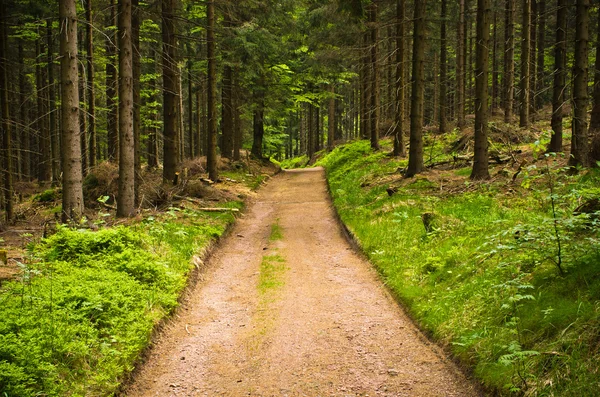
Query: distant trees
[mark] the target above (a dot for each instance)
(293, 78)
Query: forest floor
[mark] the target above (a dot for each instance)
(287, 307)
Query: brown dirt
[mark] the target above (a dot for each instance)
(330, 328)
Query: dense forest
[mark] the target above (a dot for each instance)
(148, 84)
(460, 141)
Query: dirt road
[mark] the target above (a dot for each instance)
(291, 310)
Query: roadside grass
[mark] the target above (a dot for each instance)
(486, 281)
(85, 305)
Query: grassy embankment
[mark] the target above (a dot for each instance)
(508, 279)
(86, 303)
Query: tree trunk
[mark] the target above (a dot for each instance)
(7, 168)
(170, 89)
(415, 156)
(190, 106)
(579, 143)
(595, 115)
(365, 113)
(460, 67)
(237, 122)
(72, 193)
(54, 134)
(541, 56)
(23, 119)
(480, 162)
(443, 69)
(495, 74)
(45, 160)
(91, 90)
(532, 59)
(399, 147)
(509, 59)
(136, 73)
(111, 87)
(560, 77)
(525, 52)
(374, 34)
(227, 113)
(258, 127)
(152, 149)
(211, 155)
(126, 196)
(331, 118)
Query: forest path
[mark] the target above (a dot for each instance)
(298, 315)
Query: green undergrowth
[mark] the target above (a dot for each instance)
(86, 303)
(508, 277)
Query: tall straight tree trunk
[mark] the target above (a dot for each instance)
(72, 192)
(579, 143)
(190, 105)
(54, 134)
(480, 162)
(560, 77)
(331, 118)
(23, 117)
(152, 149)
(374, 33)
(595, 115)
(443, 69)
(170, 89)
(460, 67)
(399, 147)
(227, 113)
(92, 155)
(258, 129)
(495, 72)
(126, 196)
(365, 113)
(415, 155)
(45, 161)
(199, 122)
(7, 168)
(541, 47)
(509, 65)
(211, 155)
(136, 73)
(237, 122)
(227, 99)
(525, 46)
(111, 87)
(533, 59)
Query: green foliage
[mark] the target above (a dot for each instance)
(86, 302)
(486, 280)
(46, 196)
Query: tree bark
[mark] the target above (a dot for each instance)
(415, 156)
(92, 154)
(170, 90)
(560, 77)
(460, 67)
(54, 134)
(443, 69)
(72, 193)
(541, 57)
(525, 53)
(136, 73)
(481, 162)
(211, 155)
(331, 118)
(45, 159)
(258, 127)
(23, 117)
(111, 87)
(237, 122)
(7, 167)
(374, 102)
(595, 115)
(509, 60)
(399, 147)
(579, 142)
(126, 196)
